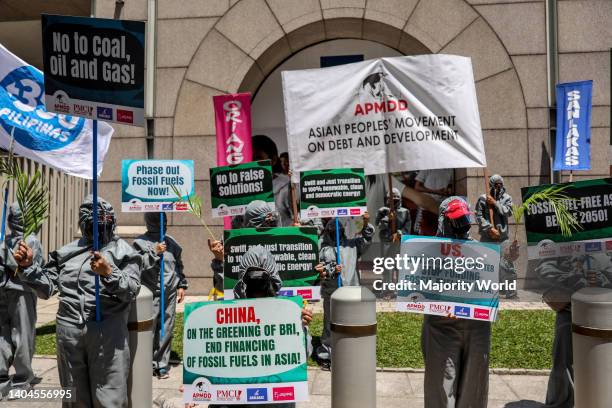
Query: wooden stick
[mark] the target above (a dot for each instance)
(487, 188)
(296, 219)
(392, 215)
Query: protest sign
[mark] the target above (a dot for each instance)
(448, 277)
(147, 185)
(94, 68)
(249, 351)
(589, 201)
(332, 193)
(233, 128)
(295, 250)
(232, 188)
(57, 140)
(385, 115)
(573, 137)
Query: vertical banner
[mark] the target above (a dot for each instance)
(233, 127)
(94, 68)
(249, 351)
(573, 144)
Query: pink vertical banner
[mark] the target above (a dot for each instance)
(233, 128)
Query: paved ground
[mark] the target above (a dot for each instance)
(395, 388)
(46, 309)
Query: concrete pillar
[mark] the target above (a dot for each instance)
(353, 327)
(140, 326)
(592, 347)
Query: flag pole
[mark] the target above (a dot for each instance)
(338, 250)
(161, 275)
(96, 244)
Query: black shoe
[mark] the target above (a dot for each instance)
(325, 365)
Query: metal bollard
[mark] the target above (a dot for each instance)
(140, 326)
(353, 329)
(592, 347)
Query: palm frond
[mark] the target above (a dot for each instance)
(194, 204)
(30, 192)
(558, 201)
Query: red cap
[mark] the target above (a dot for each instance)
(456, 209)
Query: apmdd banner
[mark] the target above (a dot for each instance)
(249, 351)
(94, 68)
(573, 138)
(149, 185)
(448, 277)
(295, 250)
(332, 193)
(384, 115)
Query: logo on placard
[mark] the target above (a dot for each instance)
(201, 390)
(355, 211)
(342, 211)
(305, 293)
(283, 394)
(285, 293)
(229, 395)
(569, 249)
(377, 97)
(327, 213)
(23, 110)
(592, 246)
(417, 307)
(257, 394)
(547, 248)
(181, 206)
(151, 207)
(82, 110)
(439, 308)
(167, 207)
(609, 245)
(104, 112)
(481, 314)
(125, 116)
(462, 311)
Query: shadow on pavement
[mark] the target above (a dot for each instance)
(524, 404)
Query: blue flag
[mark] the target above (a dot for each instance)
(573, 147)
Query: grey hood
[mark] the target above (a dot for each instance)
(496, 178)
(444, 226)
(106, 213)
(257, 262)
(256, 213)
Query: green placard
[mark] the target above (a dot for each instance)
(590, 201)
(232, 188)
(295, 250)
(332, 193)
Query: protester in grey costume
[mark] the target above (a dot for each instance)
(258, 214)
(390, 240)
(456, 351)
(17, 309)
(175, 284)
(501, 202)
(93, 357)
(562, 277)
(258, 278)
(265, 149)
(350, 252)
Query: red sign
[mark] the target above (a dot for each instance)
(283, 394)
(481, 314)
(125, 116)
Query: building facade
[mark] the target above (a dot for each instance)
(210, 47)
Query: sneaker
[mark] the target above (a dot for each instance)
(163, 374)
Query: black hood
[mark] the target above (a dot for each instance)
(152, 222)
(15, 220)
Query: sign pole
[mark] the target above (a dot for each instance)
(487, 188)
(161, 275)
(392, 223)
(338, 250)
(96, 244)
